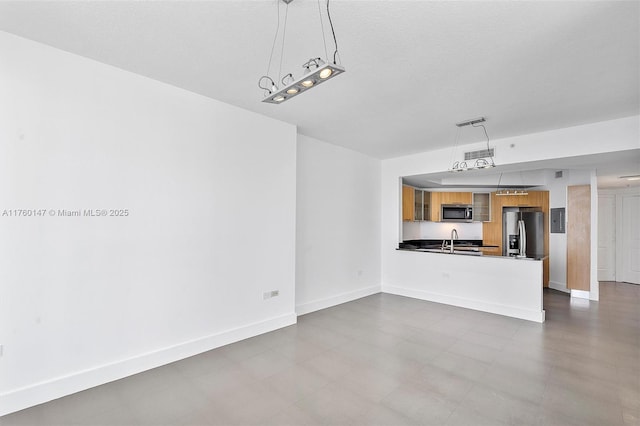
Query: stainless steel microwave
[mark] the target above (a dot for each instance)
(457, 213)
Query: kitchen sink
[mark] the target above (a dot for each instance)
(447, 251)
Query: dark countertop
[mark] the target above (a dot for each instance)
(461, 251)
(436, 244)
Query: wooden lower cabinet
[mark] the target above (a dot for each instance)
(490, 251)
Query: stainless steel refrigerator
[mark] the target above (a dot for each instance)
(523, 233)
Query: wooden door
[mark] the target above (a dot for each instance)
(579, 237)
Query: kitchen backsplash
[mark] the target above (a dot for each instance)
(440, 230)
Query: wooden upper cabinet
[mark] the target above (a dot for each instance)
(408, 203)
(440, 198)
(434, 213)
(456, 198)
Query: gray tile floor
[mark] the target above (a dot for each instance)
(395, 361)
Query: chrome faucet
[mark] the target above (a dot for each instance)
(454, 235)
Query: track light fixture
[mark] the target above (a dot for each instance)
(511, 192)
(480, 163)
(315, 70)
(506, 191)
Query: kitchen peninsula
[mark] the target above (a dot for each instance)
(496, 284)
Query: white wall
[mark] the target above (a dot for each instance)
(210, 191)
(608, 136)
(338, 225)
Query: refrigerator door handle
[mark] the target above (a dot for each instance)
(522, 240)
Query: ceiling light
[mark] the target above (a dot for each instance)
(316, 70)
(480, 163)
(304, 83)
(630, 177)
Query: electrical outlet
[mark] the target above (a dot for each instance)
(269, 294)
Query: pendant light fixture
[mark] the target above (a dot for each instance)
(315, 70)
(483, 159)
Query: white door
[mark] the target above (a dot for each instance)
(606, 238)
(630, 230)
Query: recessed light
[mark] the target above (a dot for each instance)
(279, 98)
(307, 83)
(292, 91)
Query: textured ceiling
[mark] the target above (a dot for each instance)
(414, 68)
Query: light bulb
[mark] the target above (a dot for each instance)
(279, 98)
(325, 73)
(292, 91)
(307, 83)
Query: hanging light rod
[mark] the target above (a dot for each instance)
(471, 122)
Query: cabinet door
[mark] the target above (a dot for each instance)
(481, 207)
(417, 208)
(426, 205)
(436, 203)
(408, 201)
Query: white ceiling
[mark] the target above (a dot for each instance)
(414, 68)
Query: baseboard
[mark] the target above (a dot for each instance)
(317, 305)
(42, 392)
(559, 286)
(580, 294)
(494, 308)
